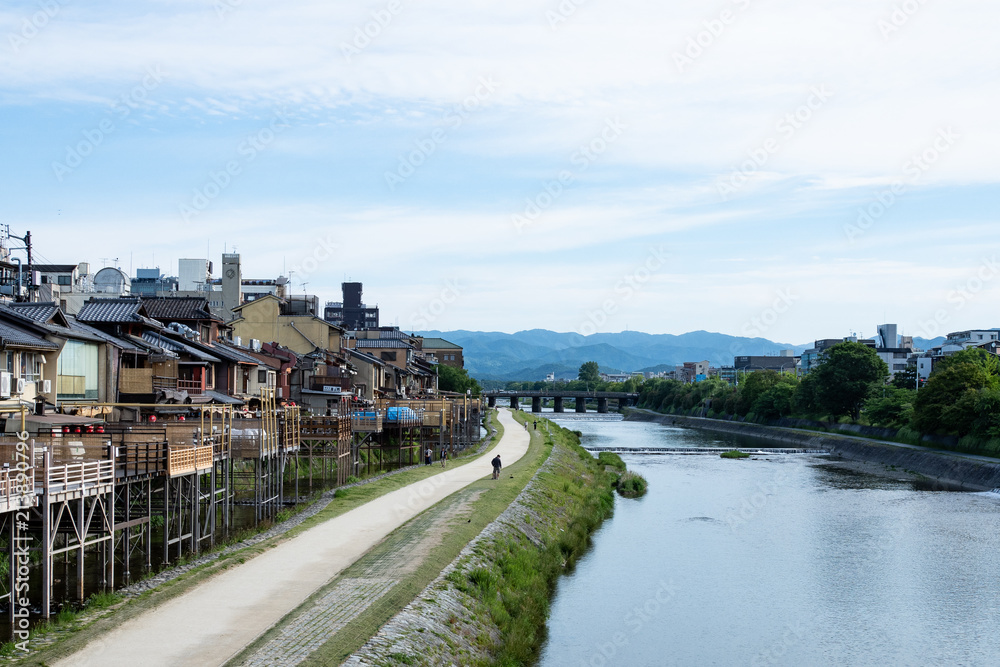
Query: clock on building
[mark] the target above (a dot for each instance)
(231, 273)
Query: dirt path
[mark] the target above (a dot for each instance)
(213, 622)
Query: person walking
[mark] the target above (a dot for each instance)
(496, 466)
(536, 424)
(444, 458)
(428, 456)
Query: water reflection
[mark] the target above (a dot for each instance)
(783, 560)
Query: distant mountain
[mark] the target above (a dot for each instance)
(531, 355)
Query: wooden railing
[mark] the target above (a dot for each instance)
(367, 421)
(187, 460)
(326, 428)
(190, 386)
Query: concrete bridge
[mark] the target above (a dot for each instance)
(581, 397)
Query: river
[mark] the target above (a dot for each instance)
(786, 559)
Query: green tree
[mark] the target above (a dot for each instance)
(777, 400)
(957, 396)
(845, 379)
(906, 379)
(456, 380)
(590, 372)
(893, 409)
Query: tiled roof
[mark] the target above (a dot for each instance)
(39, 312)
(11, 336)
(114, 311)
(178, 308)
(126, 345)
(439, 344)
(382, 343)
(54, 268)
(177, 346)
(230, 353)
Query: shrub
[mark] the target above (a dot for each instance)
(632, 485)
(734, 454)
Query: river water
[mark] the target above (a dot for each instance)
(782, 560)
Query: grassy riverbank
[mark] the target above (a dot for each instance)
(56, 640)
(490, 606)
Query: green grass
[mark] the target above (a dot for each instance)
(611, 459)
(734, 454)
(632, 485)
(514, 582)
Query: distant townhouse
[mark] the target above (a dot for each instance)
(440, 351)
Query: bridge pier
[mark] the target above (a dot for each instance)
(559, 405)
(602, 406)
(492, 401)
(581, 404)
(536, 403)
(514, 405)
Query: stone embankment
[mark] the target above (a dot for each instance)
(490, 604)
(962, 471)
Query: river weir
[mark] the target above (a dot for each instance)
(782, 559)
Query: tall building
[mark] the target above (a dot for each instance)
(232, 284)
(193, 275)
(351, 313)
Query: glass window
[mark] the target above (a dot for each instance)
(77, 370)
(65, 280)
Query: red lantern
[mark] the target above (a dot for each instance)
(152, 418)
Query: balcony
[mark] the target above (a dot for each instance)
(331, 384)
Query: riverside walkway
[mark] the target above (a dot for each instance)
(213, 622)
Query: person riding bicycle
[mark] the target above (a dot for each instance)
(496, 466)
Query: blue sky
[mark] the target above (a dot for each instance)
(578, 166)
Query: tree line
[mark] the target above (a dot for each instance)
(961, 397)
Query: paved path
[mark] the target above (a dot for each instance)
(215, 620)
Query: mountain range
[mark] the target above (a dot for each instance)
(531, 355)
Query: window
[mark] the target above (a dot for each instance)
(77, 370)
(388, 356)
(262, 377)
(64, 280)
(31, 367)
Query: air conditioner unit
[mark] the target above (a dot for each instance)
(5, 379)
(20, 385)
(46, 386)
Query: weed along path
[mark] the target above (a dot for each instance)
(214, 621)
